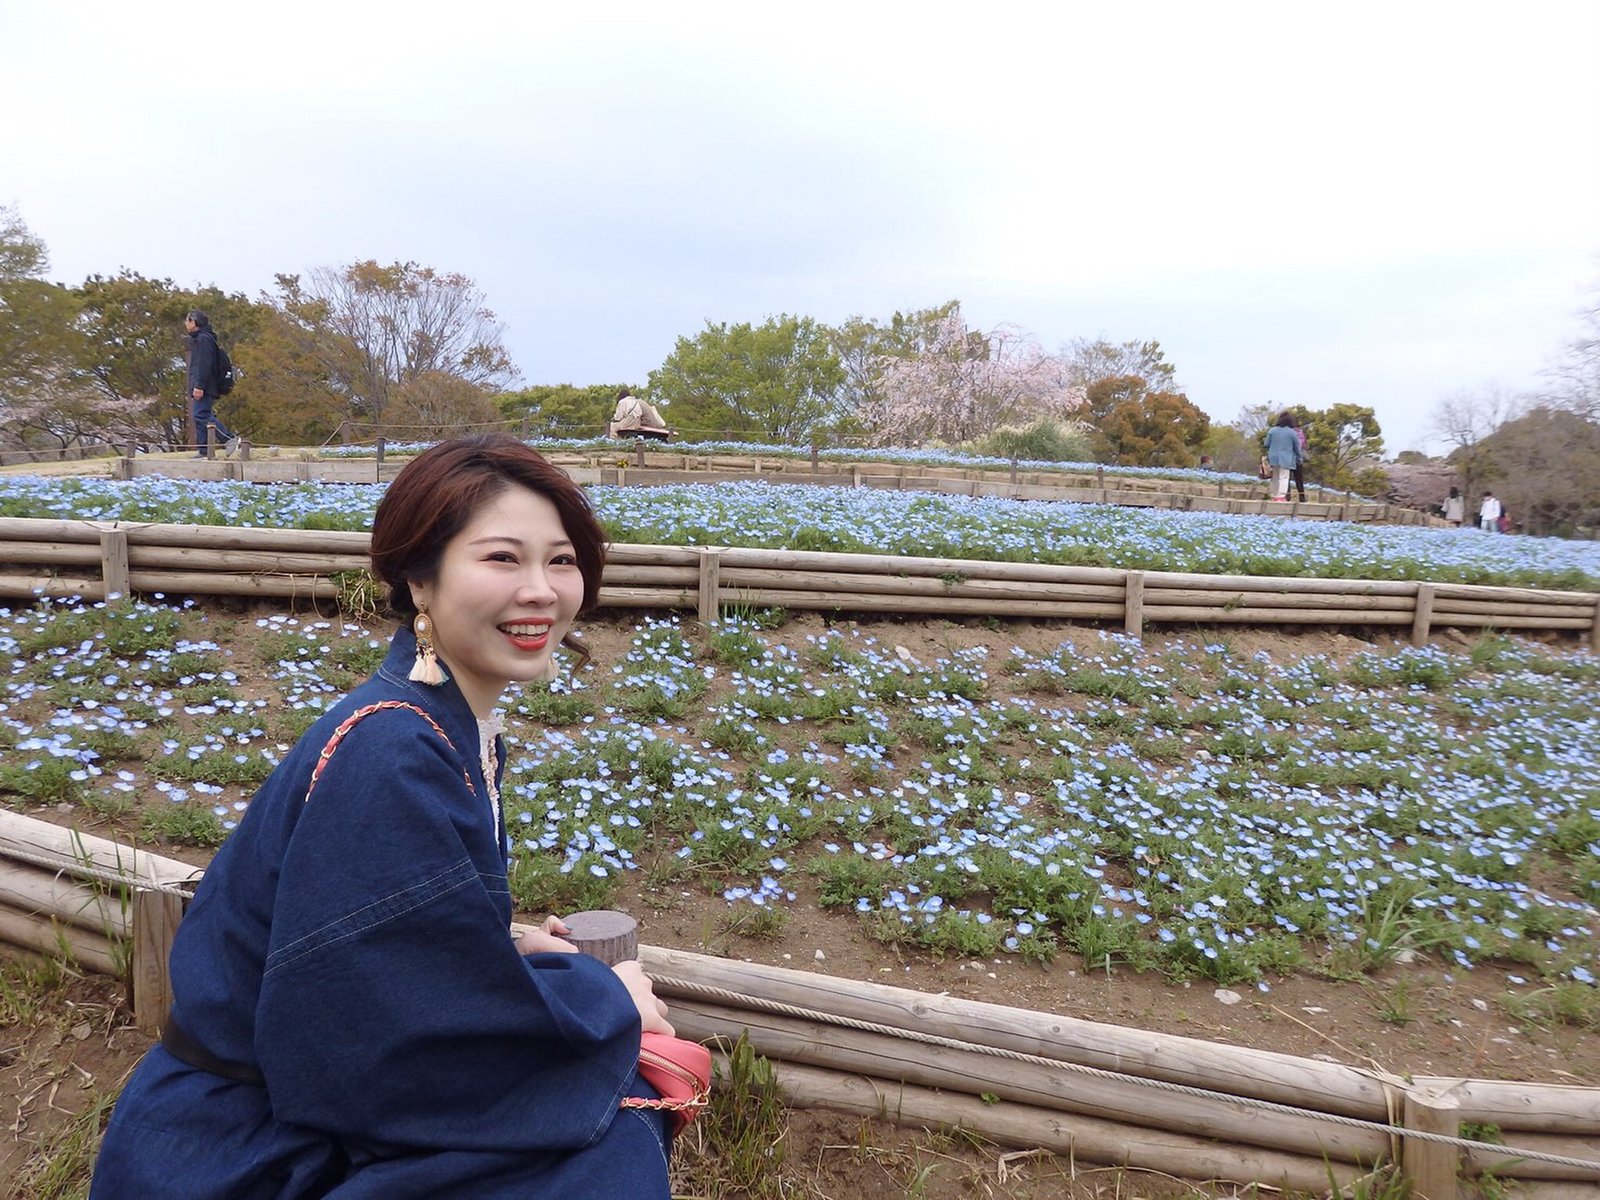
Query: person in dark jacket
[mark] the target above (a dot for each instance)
(351, 1016)
(1298, 475)
(203, 380)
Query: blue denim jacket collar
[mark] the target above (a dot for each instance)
(444, 700)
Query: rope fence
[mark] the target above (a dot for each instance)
(1095, 1092)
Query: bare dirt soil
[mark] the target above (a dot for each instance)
(80, 1044)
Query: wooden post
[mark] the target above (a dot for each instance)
(1430, 1166)
(244, 449)
(377, 474)
(1594, 631)
(639, 447)
(1133, 605)
(114, 561)
(710, 604)
(155, 923)
(1422, 622)
(855, 476)
(1013, 468)
(813, 457)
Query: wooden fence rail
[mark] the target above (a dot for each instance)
(634, 466)
(1101, 1093)
(93, 560)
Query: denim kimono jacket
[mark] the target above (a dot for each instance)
(353, 948)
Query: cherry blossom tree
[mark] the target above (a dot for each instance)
(963, 384)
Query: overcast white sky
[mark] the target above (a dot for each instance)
(1303, 202)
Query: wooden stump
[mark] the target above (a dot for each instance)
(610, 936)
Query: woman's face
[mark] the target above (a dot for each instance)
(507, 589)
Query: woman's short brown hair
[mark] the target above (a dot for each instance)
(436, 494)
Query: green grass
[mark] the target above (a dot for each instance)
(742, 1149)
(183, 824)
(46, 779)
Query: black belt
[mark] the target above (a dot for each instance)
(186, 1050)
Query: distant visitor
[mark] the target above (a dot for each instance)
(1489, 514)
(637, 418)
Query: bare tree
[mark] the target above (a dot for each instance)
(1576, 374)
(1088, 362)
(1463, 420)
(379, 327)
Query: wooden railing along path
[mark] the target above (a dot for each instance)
(640, 467)
(93, 560)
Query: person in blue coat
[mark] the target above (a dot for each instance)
(1282, 446)
(351, 1015)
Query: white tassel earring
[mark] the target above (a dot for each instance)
(426, 669)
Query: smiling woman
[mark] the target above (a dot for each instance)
(351, 1017)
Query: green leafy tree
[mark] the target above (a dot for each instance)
(1109, 391)
(80, 365)
(22, 254)
(776, 380)
(39, 346)
(1153, 429)
(1343, 445)
(284, 396)
(135, 353)
(1231, 449)
(563, 410)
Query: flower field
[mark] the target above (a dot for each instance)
(1192, 809)
(889, 454)
(894, 523)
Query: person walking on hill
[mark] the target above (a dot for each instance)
(1489, 514)
(1283, 454)
(1455, 507)
(203, 367)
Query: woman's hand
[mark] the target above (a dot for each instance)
(652, 1012)
(546, 939)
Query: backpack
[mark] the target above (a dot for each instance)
(226, 376)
